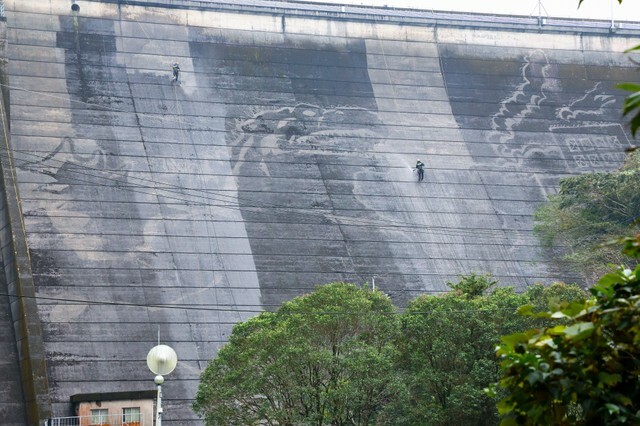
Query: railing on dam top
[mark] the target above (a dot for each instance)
(101, 420)
(406, 15)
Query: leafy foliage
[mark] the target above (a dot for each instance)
(585, 371)
(343, 356)
(447, 350)
(324, 358)
(590, 210)
(541, 298)
(631, 104)
(473, 285)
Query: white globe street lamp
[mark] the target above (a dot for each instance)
(161, 360)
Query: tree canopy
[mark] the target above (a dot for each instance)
(447, 350)
(588, 211)
(343, 355)
(585, 371)
(324, 358)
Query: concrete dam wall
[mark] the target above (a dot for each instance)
(282, 159)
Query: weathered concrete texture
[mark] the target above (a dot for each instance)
(24, 389)
(282, 160)
(12, 406)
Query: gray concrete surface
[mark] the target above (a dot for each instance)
(24, 387)
(281, 160)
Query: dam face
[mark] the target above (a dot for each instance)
(138, 208)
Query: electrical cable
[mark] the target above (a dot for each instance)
(181, 197)
(205, 201)
(162, 117)
(176, 193)
(234, 308)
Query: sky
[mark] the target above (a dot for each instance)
(590, 9)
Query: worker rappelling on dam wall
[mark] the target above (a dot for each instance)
(280, 158)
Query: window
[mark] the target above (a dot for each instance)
(131, 416)
(99, 416)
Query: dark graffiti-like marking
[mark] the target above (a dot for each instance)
(302, 128)
(67, 166)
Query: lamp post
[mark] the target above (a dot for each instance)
(161, 360)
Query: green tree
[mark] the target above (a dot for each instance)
(585, 371)
(324, 358)
(447, 351)
(589, 211)
(541, 298)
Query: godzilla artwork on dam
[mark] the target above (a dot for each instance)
(282, 159)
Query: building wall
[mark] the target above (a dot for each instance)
(115, 410)
(281, 161)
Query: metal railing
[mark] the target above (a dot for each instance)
(104, 420)
(408, 15)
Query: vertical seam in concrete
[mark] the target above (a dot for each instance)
(24, 311)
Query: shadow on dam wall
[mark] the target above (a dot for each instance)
(280, 161)
(300, 124)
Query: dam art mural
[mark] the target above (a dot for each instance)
(303, 128)
(605, 142)
(548, 120)
(281, 161)
(301, 150)
(585, 132)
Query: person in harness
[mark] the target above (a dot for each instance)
(420, 170)
(176, 72)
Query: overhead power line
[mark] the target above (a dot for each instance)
(234, 309)
(204, 197)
